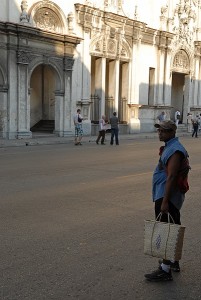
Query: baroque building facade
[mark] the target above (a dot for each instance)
(100, 56)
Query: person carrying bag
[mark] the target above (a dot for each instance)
(169, 185)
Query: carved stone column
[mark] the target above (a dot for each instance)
(116, 96)
(3, 111)
(103, 67)
(134, 122)
(23, 108)
(100, 83)
(135, 63)
(86, 83)
(59, 113)
(66, 117)
(187, 96)
(196, 79)
(167, 79)
(160, 83)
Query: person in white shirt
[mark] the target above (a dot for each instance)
(189, 122)
(102, 130)
(177, 117)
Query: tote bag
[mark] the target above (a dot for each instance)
(163, 240)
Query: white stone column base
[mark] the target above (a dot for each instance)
(68, 133)
(24, 135)
(86, 126)
(134, 125)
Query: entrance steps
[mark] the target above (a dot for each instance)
(45, 126)
(182, 128)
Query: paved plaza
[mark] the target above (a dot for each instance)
(72, 222)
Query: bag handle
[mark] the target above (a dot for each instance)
(169, 217)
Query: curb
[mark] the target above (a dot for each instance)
(66, 140)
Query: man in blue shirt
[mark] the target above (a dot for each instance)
(168, 195)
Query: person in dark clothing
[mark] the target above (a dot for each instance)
(114, 129)
(195, 123)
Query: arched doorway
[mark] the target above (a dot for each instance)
(42, 99)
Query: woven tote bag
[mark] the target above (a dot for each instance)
(163, 240)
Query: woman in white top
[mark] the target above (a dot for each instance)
(102, 129)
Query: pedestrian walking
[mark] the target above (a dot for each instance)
(189, 122)
(161, 117)
(195, 123)
(78, 127)
(169, 186)
(102, 130)
(177, 117)
(114, 129)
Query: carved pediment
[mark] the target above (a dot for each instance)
(46, 15)
(181, 62)
(47, 19)
(105, 46)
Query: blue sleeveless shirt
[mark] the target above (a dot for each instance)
(160, 175)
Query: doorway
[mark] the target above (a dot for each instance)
(177, 95)
(42, 99)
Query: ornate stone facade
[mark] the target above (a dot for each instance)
(100, 56)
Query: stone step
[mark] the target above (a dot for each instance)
(44, 126)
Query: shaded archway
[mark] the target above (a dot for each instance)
(181, 68)
(43, 84)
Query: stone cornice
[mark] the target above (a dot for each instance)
(30, 32)
(91, 18)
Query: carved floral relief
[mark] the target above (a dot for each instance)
(47, 19)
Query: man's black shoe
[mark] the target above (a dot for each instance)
(175, 267)
(159, 275)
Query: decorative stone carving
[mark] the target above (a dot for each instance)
(105, 46)
(135, 13)
(184, 20)
(87, 2)
(47, 19)
(98, 46)
(24, 15)
(164, 10)
(46, 15)
(68, 63)
(113, 5)
(70, 23)
(24, 57)
(111, 48)
(181, 62)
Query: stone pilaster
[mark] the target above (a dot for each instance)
(167, 79)
(66, 116)
(60, 120)
(3, 111)
(195, 79)
(116, 96)
(23, 103)
(160, 100)
(134, 122)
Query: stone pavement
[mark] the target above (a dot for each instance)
(50, 139)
